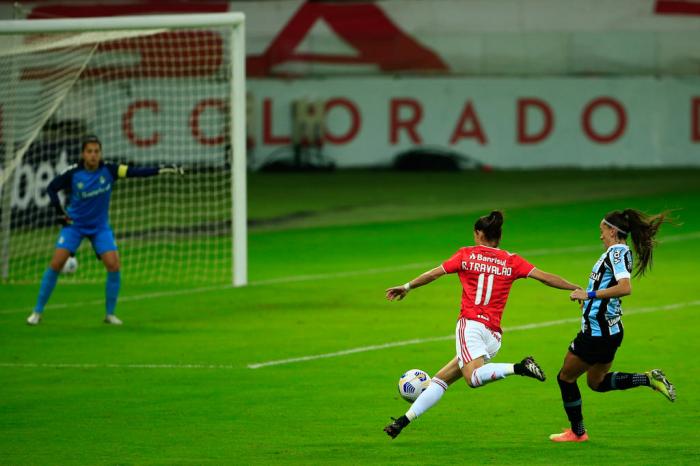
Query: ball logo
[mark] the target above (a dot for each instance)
(412, 383)
(80, 185)
(102, 180)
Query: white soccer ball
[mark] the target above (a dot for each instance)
(70, 266)
(412, 384)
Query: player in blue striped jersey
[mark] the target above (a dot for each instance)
(593, 350)
(88, 187)
(601, 317)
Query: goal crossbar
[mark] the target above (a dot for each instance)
(122, 23)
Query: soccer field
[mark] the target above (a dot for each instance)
(301, 366)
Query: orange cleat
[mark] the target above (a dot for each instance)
(568, 436)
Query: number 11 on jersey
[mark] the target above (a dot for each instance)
(480, 289)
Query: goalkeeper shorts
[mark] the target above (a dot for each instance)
(102, 238)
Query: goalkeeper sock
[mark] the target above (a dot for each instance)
(622, 381)
(112, 291)
(48, 282)
(491, 372)
(427, 399)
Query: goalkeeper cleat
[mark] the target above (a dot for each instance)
(568, 436)
(530, 368)
(659, 382)
(34, 319)
(394, 429)
(112, 320)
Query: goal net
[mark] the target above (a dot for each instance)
(156, 90)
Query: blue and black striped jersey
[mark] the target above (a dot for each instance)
(601, 317)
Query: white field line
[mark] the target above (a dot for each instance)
(328, 276)
(114, 366)
(417, 341)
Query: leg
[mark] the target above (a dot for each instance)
(571, 370)
(438, 385)
(450, 373)
(60, 256)
(48, 283)
(483, 373)
(111, 262)
(469, 370)
(445, 377)
(104, 245)
(601, 380)
(69, 240)
(110, 259)
(477, 345)
(599, 377)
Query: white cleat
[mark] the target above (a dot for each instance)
(112, 320)
(34, 319)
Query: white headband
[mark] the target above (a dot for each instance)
(614, 226)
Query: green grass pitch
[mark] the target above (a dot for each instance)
(173, 385)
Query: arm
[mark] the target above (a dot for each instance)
(623, 288)
(400, 292)
(137, 172)
(619, 261)
(125, 171)
(59, 183)
(555, 281)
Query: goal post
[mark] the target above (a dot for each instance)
(156, 90)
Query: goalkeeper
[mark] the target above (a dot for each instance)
(88, 189)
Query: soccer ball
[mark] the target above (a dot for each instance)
(70, 266)
(412, 384)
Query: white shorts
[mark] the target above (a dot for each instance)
(474, 340)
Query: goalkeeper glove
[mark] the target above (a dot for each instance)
(171, 169)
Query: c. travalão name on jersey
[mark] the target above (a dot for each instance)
(486, 268)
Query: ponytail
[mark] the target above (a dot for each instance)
(491, 225)
(643, 229)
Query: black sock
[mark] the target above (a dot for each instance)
(518, 368)
(571, 396)
(622, 381)
(402, 421)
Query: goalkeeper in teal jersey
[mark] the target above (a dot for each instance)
(88, 188)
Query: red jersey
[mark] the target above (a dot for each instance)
(486, 275)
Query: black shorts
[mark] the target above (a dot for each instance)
(596, 350)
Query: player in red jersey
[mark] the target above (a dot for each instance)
(486, 274)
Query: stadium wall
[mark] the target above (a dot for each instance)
(296, 38)
(505, 122)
